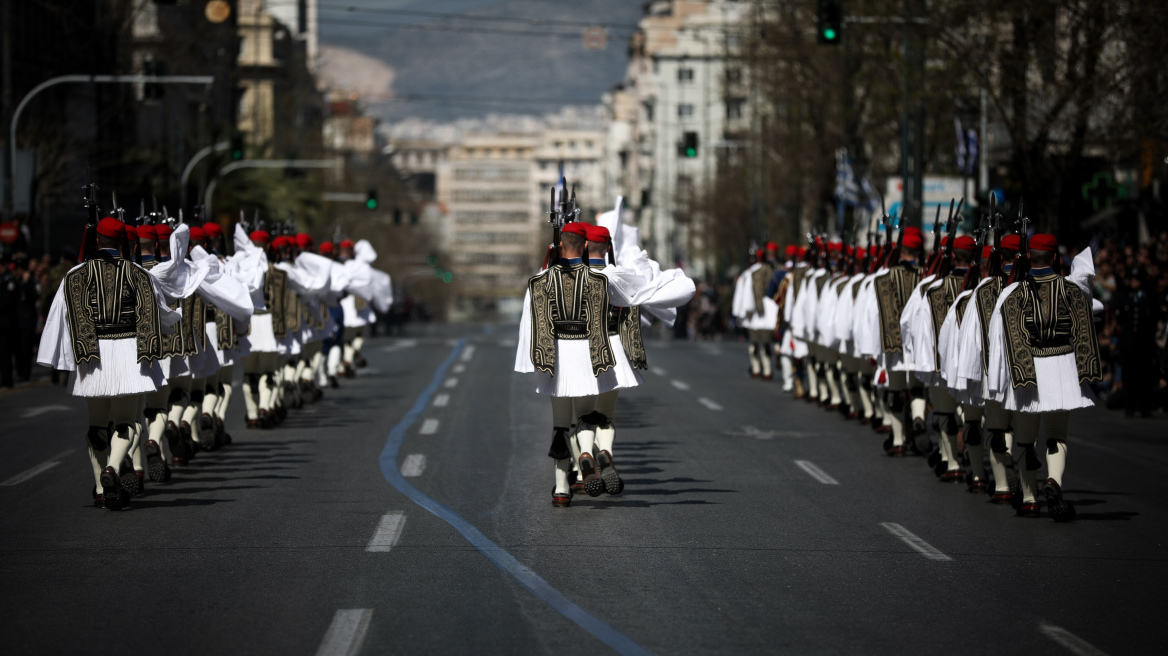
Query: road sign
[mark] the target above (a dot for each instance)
(938, 190)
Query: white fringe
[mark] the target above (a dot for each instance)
(573, 373)
(118, 373)
(1058, 388)
(223, 357)
(204, 363)
(174, 367)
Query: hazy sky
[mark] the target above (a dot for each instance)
(466, 65)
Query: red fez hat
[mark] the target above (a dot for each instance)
(346, 243)
(965, 243)
(835, 246)
(1043, 242)
(212, 230)
(849, 249)
(326, 247)
(792, 250)
(304, 240)
(861, 251)
(576, 228)
(772, 246)
(111, 227)
(597, 233)
(260, 235)
(163, 230)
(987, 251)
(912, 240)
(759, 255)
(945, 240)
(282, 240)
(131, 232)
(913, 230)
(147, 232)
(802, 251)
(1011, 242)
(198, 234)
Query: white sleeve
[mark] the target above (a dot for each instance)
(1083, 271)
(969, 361)
(56, 347)
(998, 372)
(523, 362)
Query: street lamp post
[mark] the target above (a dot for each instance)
(10, 151)
(186, 174)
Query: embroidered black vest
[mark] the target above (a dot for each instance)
(939, 301)
(1044, 317)
(111, 298)
(758, 283)
(569, 302)
(892, 291)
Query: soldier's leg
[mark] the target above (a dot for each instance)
(809, 365)
(559, 451)
(179, 433)
(157, 449)
(1025, 435)
(755, 362)
(997, 423)
(974, 446)
(194, 409)
(98, 441)
(1054, 431)
(251, 388)
(821, 371)
(844, 372)
(831, 373)
(897, 400)
(586, 424)
(766, 351)
(945, 412)
(121, 413)
(136, 483)
(864, 390)
(787, 369)
(605, 434)
(210, 402)
(918, 404)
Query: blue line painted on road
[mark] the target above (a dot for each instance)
(494, 553)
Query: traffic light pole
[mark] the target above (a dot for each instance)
(10, 151)
(266, 164)
(186, 174)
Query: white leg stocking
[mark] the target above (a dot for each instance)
(788, 371)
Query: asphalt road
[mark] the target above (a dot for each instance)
(730, 537)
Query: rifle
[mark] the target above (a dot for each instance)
(935, 256)
(557, 211)
(973, 275)
(945, 262)
(893, 255)
(994, 267)
(1022, 262)
(89, 238)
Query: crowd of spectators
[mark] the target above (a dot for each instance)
(27, 286)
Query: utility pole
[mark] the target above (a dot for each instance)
(6, 102)
(912, 149)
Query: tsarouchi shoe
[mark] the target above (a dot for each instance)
(159, 472)
(1059, 508)
(593, 483)
(560, 499)
(1029, 510)
(113, 497)
(612, 480)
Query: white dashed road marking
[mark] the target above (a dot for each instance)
(657, 371)
(1070, 641)
(679, 385)
(709, 404)
(413, 465)
(39, 469)
(459, 368)
(468, 353)
(927, 550)
(39, 410)
(816, 473)
(441, 400)
(507, 342)
(451, 382)
(389, 530)
(346, 633)
(429, 427)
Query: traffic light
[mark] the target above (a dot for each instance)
(830, 21)
(371, 199)
(150, 90)
(237, 147)
(689, 145)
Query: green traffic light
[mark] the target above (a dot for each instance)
(371, 203)
(691, 152)
(447, 277)
(237, 154)
(829, 34)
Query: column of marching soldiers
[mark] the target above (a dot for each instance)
(156, 325)
(987, 333)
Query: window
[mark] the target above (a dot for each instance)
(734, 107)
(648, 111)
(685, 111)
(571, 144)
(588, 144)
(685, 75)
(733, 75)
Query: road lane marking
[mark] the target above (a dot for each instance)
(42, 409)
(429, 427)
(441, 400)
(657, 371)
(389, 530)
(400, 344)
(368, 371)
(709, 404)
(1070, 641)
(816, 473)
(507, 342)
(346, 633)
(451, 382)
(506, 563)
(927, 550)
(683, 386)
(39, 469)
(413, 465)
(459, 368)
(760, 434)
(468, 353)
